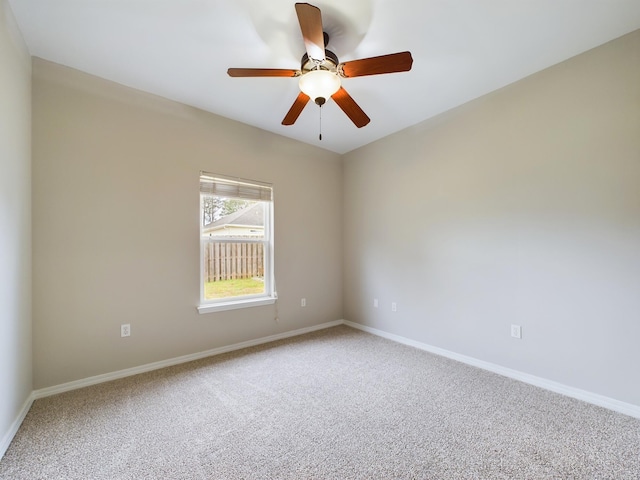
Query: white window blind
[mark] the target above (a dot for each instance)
(211, 184)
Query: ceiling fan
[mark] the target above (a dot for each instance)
(321, 72)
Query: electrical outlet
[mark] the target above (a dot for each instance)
(125, 330)
(394, 307)
(516, 331)
(303, 302)
(375, 303)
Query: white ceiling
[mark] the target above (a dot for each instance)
(181, 49)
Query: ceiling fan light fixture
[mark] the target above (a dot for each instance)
(319, 84)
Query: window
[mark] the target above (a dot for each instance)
(236, 243)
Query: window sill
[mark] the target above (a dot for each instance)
(235, 304)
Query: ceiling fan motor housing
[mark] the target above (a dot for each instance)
(329, 63)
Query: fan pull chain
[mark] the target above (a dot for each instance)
(320, 136)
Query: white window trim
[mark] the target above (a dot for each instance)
(235, 304)
(270, 296)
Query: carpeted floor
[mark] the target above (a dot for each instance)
(334, 404)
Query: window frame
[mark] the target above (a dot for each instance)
(244, 301)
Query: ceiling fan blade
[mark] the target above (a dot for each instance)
(351, 108)
(310, 20)
(296, 109)
(262, 72)
(394, 62)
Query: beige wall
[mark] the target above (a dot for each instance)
(15, 224)
(521, 207)
(115, 225)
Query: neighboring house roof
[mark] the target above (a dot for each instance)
(251, 216)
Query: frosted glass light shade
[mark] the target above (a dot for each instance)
(319, 83)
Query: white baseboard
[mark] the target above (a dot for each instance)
(107, 377)
(589, 397)
(13, 429)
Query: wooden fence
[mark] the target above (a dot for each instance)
(228, 261)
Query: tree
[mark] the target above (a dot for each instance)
(231, 205)
(214, 207)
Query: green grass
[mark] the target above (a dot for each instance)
(233, 288)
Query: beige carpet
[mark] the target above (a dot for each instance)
(335, 404)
